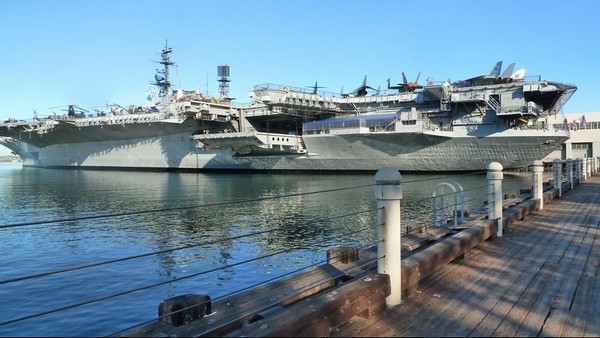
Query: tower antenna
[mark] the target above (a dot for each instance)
(162, 76)
(223, 73)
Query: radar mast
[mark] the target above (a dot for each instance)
(162, 76)
(223, 73)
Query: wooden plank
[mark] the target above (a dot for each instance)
(486, 317)
(233, 311)
(581, 301)
(326, 310)
(470, 286)
(586, 308)
(499, 313)
(503, 270)
(527, 297)
(540, 298)
(560, 310)
(592, 297)
(534, 320)
(551, 217)
(424, 263)
(465, 274)
(592, 325)
(562, 317)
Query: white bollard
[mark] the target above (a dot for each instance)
(557, 169)
(538, 184)
(578, 170)
(570, 173)
(388, 193)
(494, 177)
(584, 168)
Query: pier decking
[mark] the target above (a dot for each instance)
(539, 279)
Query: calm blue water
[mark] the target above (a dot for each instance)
(183, 217)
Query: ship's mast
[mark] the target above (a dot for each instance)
(162, 76)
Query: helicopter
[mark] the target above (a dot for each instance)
(73, 110)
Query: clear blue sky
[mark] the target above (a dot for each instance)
(94, 52)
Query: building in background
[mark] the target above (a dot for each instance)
(584, 140)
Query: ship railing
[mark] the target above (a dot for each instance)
(286, 88)
(120, 119)
(378, 96)
(362, 228)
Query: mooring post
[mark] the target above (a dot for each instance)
(570, 173)
(388, 193)
(557, 168)
(494, 177)
(584, 168)
(538, 188)
(578, 170)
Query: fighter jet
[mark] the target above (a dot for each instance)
(406, 86)
(494, 77)
(360, 91)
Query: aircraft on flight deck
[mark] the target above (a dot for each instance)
(360, 91)
(315, 87)
(494, 77)
(406, 86)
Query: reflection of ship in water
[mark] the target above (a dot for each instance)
(447, 126)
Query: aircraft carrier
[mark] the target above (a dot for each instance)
(461, 126)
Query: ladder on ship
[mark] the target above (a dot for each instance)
(492, 103)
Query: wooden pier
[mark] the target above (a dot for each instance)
(538, 279)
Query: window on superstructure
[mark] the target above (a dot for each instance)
(580, 146)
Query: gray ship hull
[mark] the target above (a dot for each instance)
(406, 152)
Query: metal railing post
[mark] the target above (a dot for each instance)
(388, 193)
(538, 184)
(494, 177)
(557, 168)
(570, 173)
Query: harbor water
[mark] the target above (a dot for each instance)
(54, 220)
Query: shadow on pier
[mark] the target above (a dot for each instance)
(539, 279)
